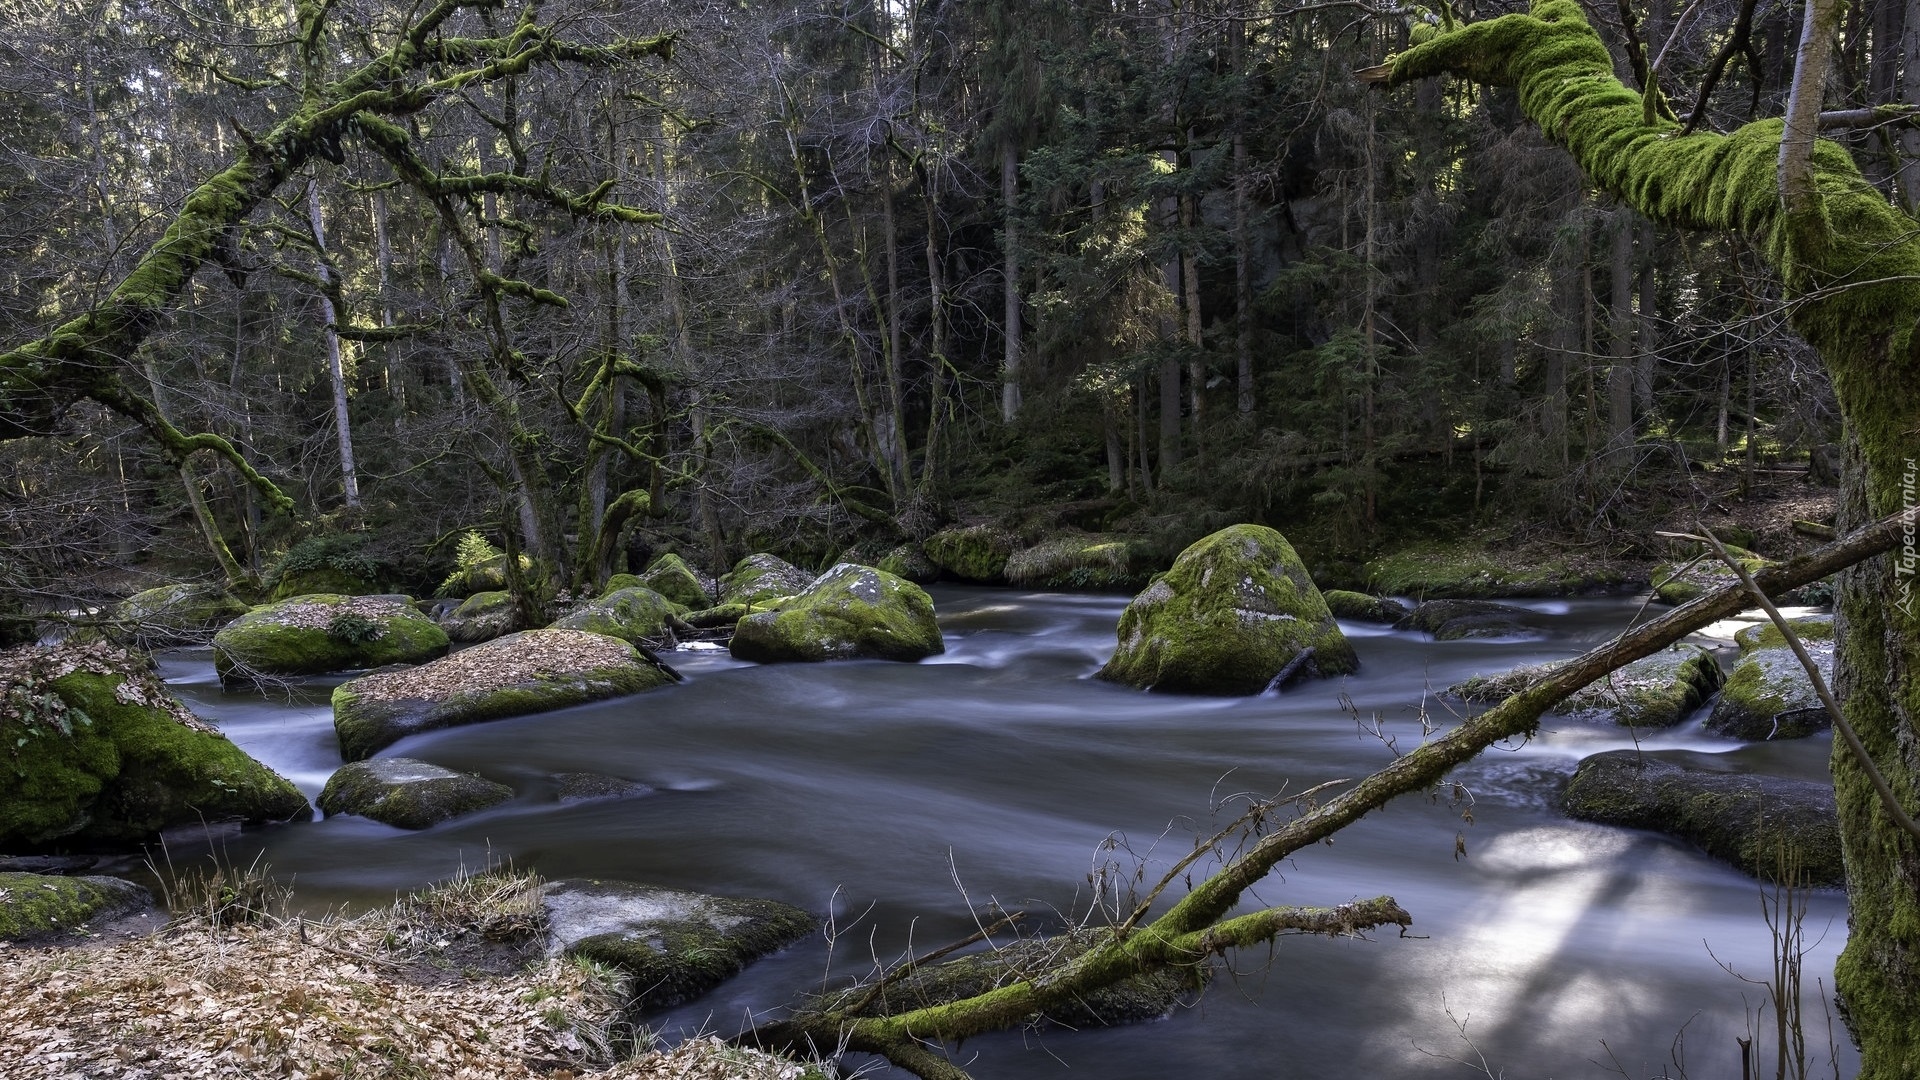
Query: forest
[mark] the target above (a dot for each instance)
(401, 296)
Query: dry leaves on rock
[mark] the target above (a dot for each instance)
(498, 664)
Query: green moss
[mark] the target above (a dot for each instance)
(1769, 695)
(757, 579)
(1461, 573)
(486, 575)
(1077, 562)
(1744, 819)
(638, 616)
(974, 553)
(671, 577)
(1768, 636)
(408, 794)
(40, 906)
(119, 769)
(291, 638)
(1359, 607)
(1235, 609)
(851, 611)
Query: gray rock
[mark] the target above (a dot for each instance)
(1769, 696)
(578, 787)
(675, 945)
(1743, 818)
(408, 794)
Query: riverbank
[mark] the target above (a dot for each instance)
(450, 984)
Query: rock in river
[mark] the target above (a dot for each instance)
(102, 755)
(312, 635)
(757, 579)
(408, 794)
(675, 945)
(1769, 695)
(1234, 611)
(638, 616)
(1743, 818)
(851, 612)
(1655, 691)
(529, 672)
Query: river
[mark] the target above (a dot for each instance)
(897, 795)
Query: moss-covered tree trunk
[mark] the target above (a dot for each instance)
(1850, 264)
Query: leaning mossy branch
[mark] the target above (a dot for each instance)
(1198, 925)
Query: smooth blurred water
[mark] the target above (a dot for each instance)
(897, 795)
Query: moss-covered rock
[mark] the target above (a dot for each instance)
(1769, 696)
(757, 579)
(1235, 609)
(851, 612)
(481, 617)
(675, 945)
(638, 616)
(1742, 818)
(529, 672)
(909, 561)
(1655, 691)
(38, 907)
(408, 794)
(1077, 561)
(333, 563)
(1463, 572)
(1359, 607)
(974, 553)
(1131, 1001)
(671, 577)
(174, 614)
(1455, 620)
(1765, 635)
(312, 635)
(95, 752)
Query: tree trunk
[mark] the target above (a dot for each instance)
(1850, 270)
(1620, 332)
(336, 369)
(1009, 198)
(1242, 235)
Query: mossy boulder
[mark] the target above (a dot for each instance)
(850, 612)
(1810, 630)
(675, 945)
(174, 614)
(94, 752)
(1655, 691)
(1456, 620)
(312, 635)
(488, 574)
(408, 794)
(1359, 607)
(757, 579)
(529, 672)
(1235, 609)
(671, 577)
(324, 580)
(1742, 818)
(976, 553)
(909, 561)
(41, 907)
(1077, 561)
(1464, 572)
(638, 616)
(1769, 696)
(1130, 1001)
(481, 617)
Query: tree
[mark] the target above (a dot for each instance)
(1850, 266)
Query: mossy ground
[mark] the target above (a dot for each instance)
(1467, 572)
(1235, 608)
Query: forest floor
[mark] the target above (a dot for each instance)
(450, 985)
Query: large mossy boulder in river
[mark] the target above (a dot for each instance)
(312, 635)
(637, 616)
(174, 614)
(529, 672)
(671, 577)
(851, 612)
(1769, 694)
(674, 945)
(759, 578)
(1236, 609)
(407, 794)
(95, 752)
(1746, 819)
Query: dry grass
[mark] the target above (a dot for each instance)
(378, 996)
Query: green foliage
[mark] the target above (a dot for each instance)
(342, 552)
(353, 629)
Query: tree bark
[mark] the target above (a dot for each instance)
(336, 368)
(1009, 198)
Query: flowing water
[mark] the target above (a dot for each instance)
(897, 795)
